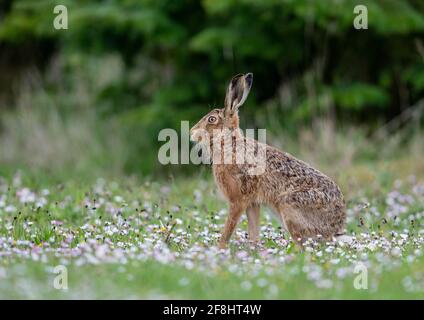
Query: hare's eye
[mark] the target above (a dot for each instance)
(211, 119)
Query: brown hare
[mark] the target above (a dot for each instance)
(308, 203)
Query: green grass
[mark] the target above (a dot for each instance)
(152, 280)
(158, 240)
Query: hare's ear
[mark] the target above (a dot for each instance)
(237, 92)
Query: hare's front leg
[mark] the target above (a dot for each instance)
(236, 209)
(253, 220)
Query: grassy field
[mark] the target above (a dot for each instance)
(141, 239)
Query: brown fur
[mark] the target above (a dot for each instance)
(309, 203)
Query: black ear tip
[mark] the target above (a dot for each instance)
(249, 78)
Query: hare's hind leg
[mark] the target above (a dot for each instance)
(299, 228)
(253, 220)
(311, 213)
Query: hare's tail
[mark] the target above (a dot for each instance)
(344, 238)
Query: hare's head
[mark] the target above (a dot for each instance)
(218, 120)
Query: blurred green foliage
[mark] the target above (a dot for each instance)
(153, 63)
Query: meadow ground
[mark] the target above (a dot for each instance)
(141, 239)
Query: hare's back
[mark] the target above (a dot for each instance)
(295, 173)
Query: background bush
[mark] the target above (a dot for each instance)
(101, 90)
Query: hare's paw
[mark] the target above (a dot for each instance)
(222, 245)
